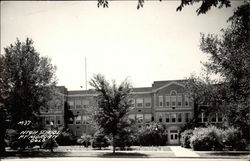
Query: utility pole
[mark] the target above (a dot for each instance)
(86, 81)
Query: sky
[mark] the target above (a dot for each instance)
(150, 44)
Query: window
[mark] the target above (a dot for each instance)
(85, 103)
(85, 119)
(173, 101)
(71, 104)
(204, 117)
(148, 102)
(71, 120)
(52, 119)
(139, 118)
(167, 117)
(139, 102)
(159, 114)
(213, 118)
(147, 117)
(58, 120)
(179, 117)
(160, 101)
(78, 119)
(173, 117)
(167, 101)
(78, 103)
(200, 117)
(131, 116)
(179, 100)
(47, 120)
(186, 100)
(187, 117)
(219, 115)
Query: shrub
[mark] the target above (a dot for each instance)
(185, 138)
(232, 139)
(49, 143)
(66, 138)
(125, 138)
(206, 139)
(84, 140)
(13, 140)
(100, 140)
(154, 134)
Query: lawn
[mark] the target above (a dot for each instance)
(132, 148)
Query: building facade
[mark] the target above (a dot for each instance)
(165, 102)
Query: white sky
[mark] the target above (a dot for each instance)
(145, 45)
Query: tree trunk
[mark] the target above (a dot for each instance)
(113, 144)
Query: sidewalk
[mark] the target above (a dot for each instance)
(183, 152)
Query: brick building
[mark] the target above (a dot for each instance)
(165, 102)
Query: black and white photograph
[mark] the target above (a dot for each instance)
(125, 80)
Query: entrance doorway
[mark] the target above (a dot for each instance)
(174, 138)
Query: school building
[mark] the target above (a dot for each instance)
(165, 102)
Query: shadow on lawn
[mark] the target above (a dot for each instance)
(123, 155)
(30, 154)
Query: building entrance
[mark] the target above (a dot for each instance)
(173, 137)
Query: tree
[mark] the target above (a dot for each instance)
(26, 82)
(204, 7)
(208, 96)
(113, 106)
(229, 58)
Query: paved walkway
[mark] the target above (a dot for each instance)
(183, 152)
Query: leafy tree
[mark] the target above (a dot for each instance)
(229, 58)
(26, 82)
(100, 140)
(113, 106)
(208, 97)
(204, 7)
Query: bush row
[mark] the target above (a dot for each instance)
(213, 138)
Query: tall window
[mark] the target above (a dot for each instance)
(179, 100)
(147, 118)
(139, 118)
(78, 103)
(131, 116)
(173, 98)
(52, 119)
(58, 120)
(159, 116)
(78, 119)
(71, 104)
(187, 117)
(167, 117)
(47, 120)
(160, 101)
(147, 102)
(139, 102)
(85, 103)
(220, 116)
(186, 100)
(213, 118)
(167, 101)
(173, 117)
(179, 117)
(173, 101)
(85, 119)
